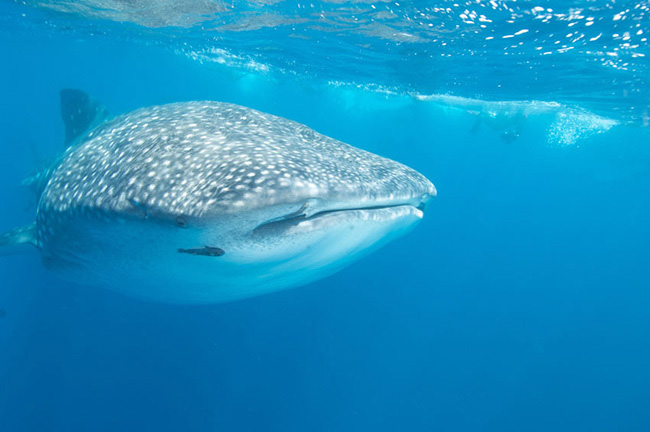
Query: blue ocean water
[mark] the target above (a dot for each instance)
(519, 303)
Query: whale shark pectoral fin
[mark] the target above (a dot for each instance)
(204, 251)
(16, 240)
(80, 113)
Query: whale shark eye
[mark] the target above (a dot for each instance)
(181, 222)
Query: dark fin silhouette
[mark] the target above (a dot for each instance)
(204, 251)
(18, 240)
(80, 113)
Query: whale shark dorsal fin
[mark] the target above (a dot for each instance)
(80, 113)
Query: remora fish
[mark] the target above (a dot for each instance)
(202, 202)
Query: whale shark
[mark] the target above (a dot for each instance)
(207, 202)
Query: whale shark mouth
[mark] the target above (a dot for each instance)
(302, 215)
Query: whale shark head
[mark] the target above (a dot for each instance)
(207, 201)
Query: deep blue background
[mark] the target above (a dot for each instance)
(520, 303)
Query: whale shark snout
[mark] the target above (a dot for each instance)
(201, 202)
(327, 188)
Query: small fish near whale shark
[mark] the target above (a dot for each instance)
(204, 202)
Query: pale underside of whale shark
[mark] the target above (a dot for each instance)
(202, 202)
